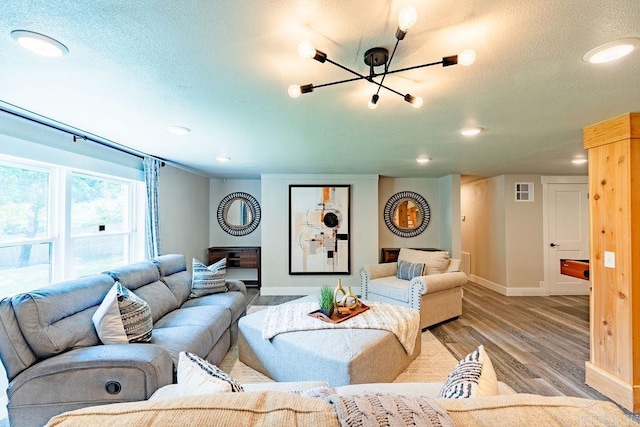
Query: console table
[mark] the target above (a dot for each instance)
(243, 262)
(391, 254)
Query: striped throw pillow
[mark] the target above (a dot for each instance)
(123, 317)
(208, 280)
(197, 376)
(462, 382)
(409, 270)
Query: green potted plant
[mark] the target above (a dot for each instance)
(325, 299)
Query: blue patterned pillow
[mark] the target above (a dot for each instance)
(463, 381)
(208, 280)
(409, 270)
(123, 317)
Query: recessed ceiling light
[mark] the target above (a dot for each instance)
(39, 43)
(223, 158)
(471, 131)
(179, 130)
(423, 160)
(611, 51)
(579, 161)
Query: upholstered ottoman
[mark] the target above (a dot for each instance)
(337, 356)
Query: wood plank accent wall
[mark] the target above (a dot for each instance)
(614, 210)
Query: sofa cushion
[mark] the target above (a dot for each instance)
(17, 355)
(390, 287)
(474, 376)
(194, 339)
(143, 278)
(408, 270)
(123, 317)
(174, 274)
(435, 262)
(208, 280)
(197, 376)
(271, 408)
(215, 319)
(235, 302)
(57, 317)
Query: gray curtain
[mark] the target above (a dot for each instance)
(151, 179)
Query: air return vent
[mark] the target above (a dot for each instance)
(524, 191)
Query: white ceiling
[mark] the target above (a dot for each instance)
(222, 68)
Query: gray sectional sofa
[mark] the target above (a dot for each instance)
(55, 361)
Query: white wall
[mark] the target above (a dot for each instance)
(482, 204)
(184, 213)
(504, 236)
(443, 197)
(220, 188)
(429, 188)
(275, 237)
(524, 234)
(449, 209)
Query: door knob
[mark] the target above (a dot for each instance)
(553, 245)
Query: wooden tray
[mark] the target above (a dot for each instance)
(335, 318)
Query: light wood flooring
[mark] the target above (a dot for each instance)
(537, 344)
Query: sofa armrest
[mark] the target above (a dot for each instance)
(380, 270)
(236, 286)
(375, 271)
(438, 282)
(91, 376)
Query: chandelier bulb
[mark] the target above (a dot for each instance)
(467, 57)
(306, 50)
(294, 91)
(373, 102)
(415, 101)
(407, 18)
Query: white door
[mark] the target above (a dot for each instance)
(568, 227)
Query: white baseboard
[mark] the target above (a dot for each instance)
(509, 291)
(295, 290)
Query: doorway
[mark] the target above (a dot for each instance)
(566, 225)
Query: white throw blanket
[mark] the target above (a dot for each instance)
(403, 322)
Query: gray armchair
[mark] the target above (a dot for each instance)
(435, 291)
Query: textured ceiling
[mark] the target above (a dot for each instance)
(222, 68)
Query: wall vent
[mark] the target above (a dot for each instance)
(465, 263)
(524, 191)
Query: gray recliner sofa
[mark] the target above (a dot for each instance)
(55, 361)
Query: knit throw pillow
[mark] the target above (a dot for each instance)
(197, 376)
(408, 270)
(123, 317)
(474, 376)
(208, 280)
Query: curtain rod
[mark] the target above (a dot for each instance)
(76, 133)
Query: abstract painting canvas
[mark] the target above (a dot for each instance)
(319, 240)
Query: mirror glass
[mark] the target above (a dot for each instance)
(407, 215)
(238, 214)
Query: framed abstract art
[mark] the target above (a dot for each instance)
(319, 229)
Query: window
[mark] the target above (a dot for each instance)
(59, 223)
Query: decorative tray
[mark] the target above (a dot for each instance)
(337, 318)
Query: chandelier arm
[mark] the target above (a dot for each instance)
(347, 69)
(339, 82)
(412, 68)
(386, 66)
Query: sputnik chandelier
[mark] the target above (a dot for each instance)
(378, 57)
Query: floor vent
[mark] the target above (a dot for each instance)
(465, 263)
